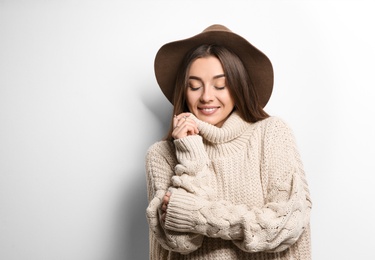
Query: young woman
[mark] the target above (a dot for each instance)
(227, 182)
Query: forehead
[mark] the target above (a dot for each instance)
(206, 67)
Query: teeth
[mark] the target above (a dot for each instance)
(208, 109)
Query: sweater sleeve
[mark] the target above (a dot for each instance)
(273, 227)
(160, 162)
(193, 168)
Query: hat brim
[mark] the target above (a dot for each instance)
(169, 57)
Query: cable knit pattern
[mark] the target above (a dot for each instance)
(238, 192)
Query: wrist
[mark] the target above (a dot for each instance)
(183, 214)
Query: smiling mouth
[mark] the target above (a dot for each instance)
(208, 110)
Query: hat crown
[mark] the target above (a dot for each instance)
(216, 27)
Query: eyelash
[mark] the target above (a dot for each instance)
(195, 89)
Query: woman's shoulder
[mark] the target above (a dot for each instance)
(273, 124)
(271, 121)
(274, 121)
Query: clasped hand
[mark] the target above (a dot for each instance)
(184, 126)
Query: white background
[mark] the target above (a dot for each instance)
(79, 106)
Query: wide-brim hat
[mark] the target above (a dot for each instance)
(169, 58)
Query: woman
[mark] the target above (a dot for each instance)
(227, 182)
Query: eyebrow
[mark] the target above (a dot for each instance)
(215, 77)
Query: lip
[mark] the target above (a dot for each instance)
(208, 110)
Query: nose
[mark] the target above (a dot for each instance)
(207, 95)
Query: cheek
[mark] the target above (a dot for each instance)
(231, 100)
(227, 99)
(191, 98)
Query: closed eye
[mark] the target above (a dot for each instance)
(220, 88)
(194, 88)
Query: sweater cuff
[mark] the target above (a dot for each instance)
(191, 148)
(183, 213)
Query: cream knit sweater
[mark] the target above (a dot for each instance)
(238, 192)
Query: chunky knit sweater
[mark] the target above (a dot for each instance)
(237, 192)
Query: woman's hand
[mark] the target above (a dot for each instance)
(183, 126)
(164, 205)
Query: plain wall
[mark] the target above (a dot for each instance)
(79, 106)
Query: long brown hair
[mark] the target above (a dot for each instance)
(238, 81)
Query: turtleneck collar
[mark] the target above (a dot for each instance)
(232, 128)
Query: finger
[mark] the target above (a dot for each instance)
(183, 130)
(185, 122)
(192, 122)
(178, 120)
(175, 121)
(180, 117)
(165, 199)
(184, 114)
(194, 131)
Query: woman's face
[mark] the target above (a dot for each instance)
(207, 94)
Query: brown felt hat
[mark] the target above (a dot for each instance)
(169, 57)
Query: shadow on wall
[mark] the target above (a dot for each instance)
(136, 236)
(132, 239)
(161, 109)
